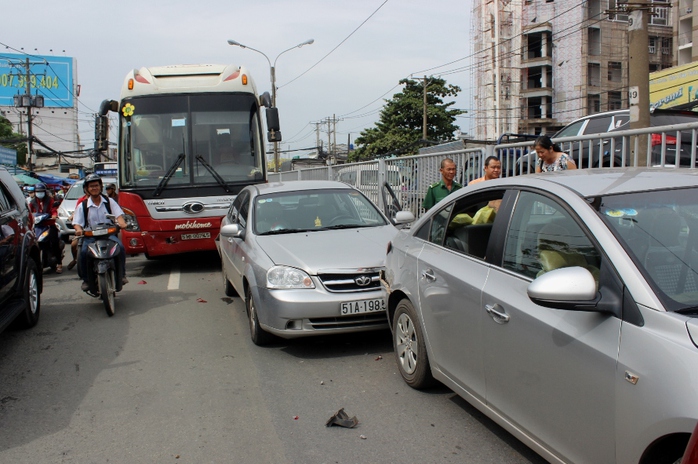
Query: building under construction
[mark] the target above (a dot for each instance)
(541, 64)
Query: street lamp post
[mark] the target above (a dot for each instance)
(272, 73)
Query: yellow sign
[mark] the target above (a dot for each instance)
(674, 86)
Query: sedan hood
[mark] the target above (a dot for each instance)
(329, 249)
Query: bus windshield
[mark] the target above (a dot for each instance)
(218, 136)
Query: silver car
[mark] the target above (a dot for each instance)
(564, 306)
(306, 257)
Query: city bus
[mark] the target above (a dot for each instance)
(190, 138)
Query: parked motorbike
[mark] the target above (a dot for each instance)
(42, 231)
(103, 266)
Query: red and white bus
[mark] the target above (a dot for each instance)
(190, 138)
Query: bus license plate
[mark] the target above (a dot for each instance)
(196, 236)
(362, 306)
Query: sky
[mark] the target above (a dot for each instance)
(361, 50)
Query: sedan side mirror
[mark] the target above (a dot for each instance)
(232, 231)
(565, 288)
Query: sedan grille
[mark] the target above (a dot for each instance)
(354, 282)
(375, 320)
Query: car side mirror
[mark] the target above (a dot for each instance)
(403, 217)
(572, 288)
(232, 231)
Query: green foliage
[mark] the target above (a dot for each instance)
(399, 129)
(7, 134)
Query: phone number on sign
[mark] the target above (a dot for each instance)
(20, 81)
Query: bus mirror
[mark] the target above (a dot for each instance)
(265, 100)
(101, 132)
(108, 105)
(272, 119)
(273, 136)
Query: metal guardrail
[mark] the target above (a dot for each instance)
(410, 176)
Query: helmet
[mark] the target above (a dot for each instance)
(92, 178)
(40, 187)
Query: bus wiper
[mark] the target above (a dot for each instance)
(168, 176)
(213, 172)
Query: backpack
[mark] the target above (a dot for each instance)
(84, 207)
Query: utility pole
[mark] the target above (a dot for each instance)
(424, 111)
(334, 134)
(639, 91)
(30, 147)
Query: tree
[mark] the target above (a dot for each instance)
(399, 129)
(12, 140)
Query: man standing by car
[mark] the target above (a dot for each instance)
(438, 191)
(493, 169)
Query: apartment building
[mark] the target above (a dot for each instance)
(543, 63)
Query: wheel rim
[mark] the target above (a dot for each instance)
(406, 347)
(253, 316)
(33, 293)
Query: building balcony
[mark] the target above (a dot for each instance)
(532, 92)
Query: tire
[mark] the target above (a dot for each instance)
(32, 297)
(106, 291)
(410, 349)
(229, 289)
(259, 336)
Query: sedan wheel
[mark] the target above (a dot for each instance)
(410, 350)
(259, 336)
(32, 297)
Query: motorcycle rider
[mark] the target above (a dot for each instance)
(94, 211)
(43, 203)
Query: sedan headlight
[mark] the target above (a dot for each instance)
(288, 277)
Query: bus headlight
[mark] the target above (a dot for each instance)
(131, 221)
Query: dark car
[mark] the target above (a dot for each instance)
(613, 121)
(20, 272)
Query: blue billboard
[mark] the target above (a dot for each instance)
(49, 76)
(8, 156)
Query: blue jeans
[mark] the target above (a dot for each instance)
(82, 256)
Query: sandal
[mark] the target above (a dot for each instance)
(71, 264)
(59, 269)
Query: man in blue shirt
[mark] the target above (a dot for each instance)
(438, 191)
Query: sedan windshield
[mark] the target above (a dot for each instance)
(314, 210)
(660, 232)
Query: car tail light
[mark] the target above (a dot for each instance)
(657, 140)
(690, 456)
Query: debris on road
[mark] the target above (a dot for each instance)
(342, 419)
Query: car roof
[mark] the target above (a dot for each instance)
(609, 181)
(296, 185)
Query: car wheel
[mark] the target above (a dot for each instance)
(229, 289)
(259, 336)
(409, 346)
(32, 297)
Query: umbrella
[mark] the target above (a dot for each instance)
(25, 179)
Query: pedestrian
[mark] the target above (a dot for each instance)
(439, 190)
(111, 192)
(492, 169)
(550, 156)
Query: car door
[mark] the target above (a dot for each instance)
(452, 272)
(233, 261)
(550, 372)
(9, 244)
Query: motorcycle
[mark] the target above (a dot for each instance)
(43, 233)
(103, 266)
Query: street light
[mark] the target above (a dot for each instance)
(272, 69)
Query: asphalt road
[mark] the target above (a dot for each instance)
(174, 378)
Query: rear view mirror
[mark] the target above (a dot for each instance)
(273, 134)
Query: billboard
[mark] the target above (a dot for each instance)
(674, 86)
(49, 76)
(8, 156)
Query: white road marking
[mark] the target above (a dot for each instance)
(173, 283)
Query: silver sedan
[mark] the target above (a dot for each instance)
(564, 306)
(306, 257)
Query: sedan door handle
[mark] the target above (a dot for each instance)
(428, 275)
(497, 313)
